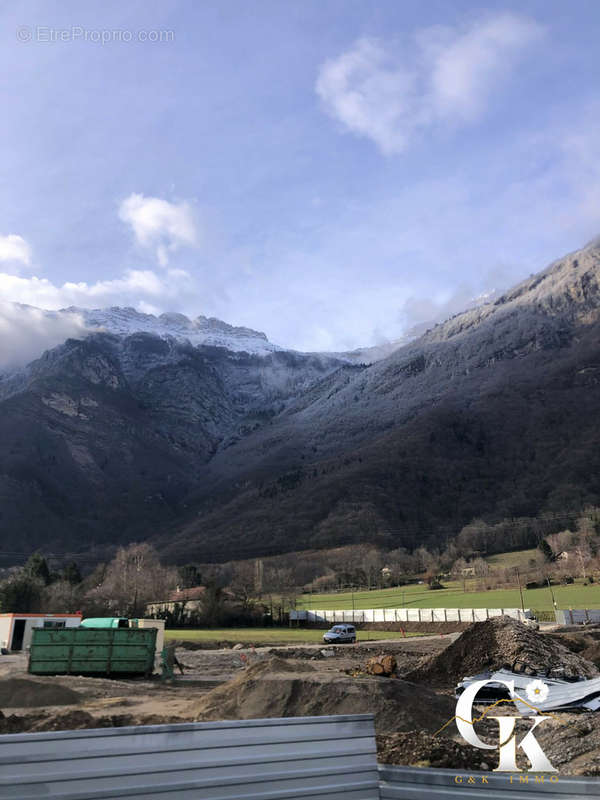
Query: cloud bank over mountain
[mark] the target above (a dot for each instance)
(26, 332)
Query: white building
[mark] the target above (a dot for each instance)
(15, 629)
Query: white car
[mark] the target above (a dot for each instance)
(340, 634)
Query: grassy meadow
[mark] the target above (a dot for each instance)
(454, 596)
(267, 636)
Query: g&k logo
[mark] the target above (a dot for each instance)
(507, 740)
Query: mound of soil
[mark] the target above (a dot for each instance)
(586, 644)
(276, 664)
(80, 720)
(415, 627)
(497, 643)
(77, 720)
(25, 693)
(274, 688)
(572, 743)
(420, 749)
(592, 653)
(13, 724)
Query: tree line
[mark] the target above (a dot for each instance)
(257, 590)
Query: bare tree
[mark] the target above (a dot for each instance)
(134, 578)
(480, 567)
(584, 557)
(280, 588)
(243, 583)
(62, 597)
(372, 563)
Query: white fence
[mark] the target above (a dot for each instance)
(362, 615)
(577, 616)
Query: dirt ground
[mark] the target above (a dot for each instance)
(312, 680)
(134, 700)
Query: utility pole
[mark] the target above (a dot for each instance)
(551, 592)
(520, 589)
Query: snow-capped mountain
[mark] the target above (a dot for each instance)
(220, 454)
(200, 331)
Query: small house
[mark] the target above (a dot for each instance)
(15, 629)
(184, 602)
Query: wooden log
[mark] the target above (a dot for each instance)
(381, 665)
(389, 664)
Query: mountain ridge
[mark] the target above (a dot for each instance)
(214, 453)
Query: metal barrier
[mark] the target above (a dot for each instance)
(410, 783)
(309, 758)
(577, 616)
(364, 615)
(304, 757)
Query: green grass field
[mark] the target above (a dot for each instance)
(453, 596)
(268, 635)
(515, 558)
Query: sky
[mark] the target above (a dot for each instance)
(330, 172)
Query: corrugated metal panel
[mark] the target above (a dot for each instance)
(561, 694)
(577, 616)
(304, 757)
(414, 783)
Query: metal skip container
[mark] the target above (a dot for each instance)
(92, 651)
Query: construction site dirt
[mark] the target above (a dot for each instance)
(410, 705)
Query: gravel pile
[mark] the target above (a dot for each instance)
(497, 643)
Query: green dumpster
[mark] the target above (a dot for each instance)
(92, 651)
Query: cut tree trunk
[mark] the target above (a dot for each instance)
(381, 665)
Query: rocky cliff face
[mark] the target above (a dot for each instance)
(103, 438)
(216, 452)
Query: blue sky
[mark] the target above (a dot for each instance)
(328, 172)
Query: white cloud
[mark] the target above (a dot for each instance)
(465, 68)
(160, 225)
(26, 332)
(14, 248)
(134, 288)
(449, 77)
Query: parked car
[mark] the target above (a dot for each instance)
(340, 634)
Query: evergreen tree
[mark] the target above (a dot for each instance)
(21, 594)
(71, 573)
(37, 567)
(546, 550)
